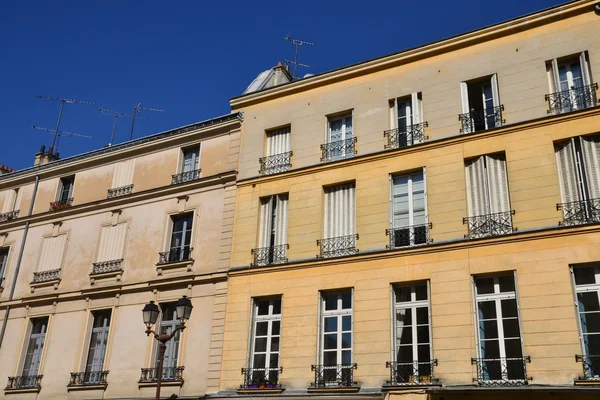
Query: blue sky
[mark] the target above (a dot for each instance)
(189, 57)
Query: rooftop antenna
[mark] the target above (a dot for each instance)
(116, 115)
(62, 101)
(138, 109)
(298, 43)
(60, 133)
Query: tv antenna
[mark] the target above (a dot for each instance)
(62, 133)
(63, 101)
(138, 109)
(116, 115)
(298, 43)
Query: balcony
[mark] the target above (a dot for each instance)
(187, 176)
(24, 382)
(169, 374)
(106, 267)
(489, 225)
(46, 276)
(503, 371)
(409, 136)
(7, 216)
(334, 376)
(338, 150)
(415, 235)
(269, 255)
(97, 378)
(261, 378)
(120, 191)
(275, 164)
(591, 367)
(411, 373)
(576, 98)
(61, 204)
(182, 254)
(580, 212)
(480, 120)
(337, 246)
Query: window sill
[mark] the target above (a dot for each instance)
(162, 384)
(334, 389)
(72, 388)
(261, 391)
(186, 264)
(106, 275)
(18, 391)
(35, 285)
(409, 386)
(586, 382)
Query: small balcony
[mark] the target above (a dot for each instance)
(576, 98)
(405, 137)
(334, 376)
(505, 371)
(187, 176)
(120, 191)
(46, 276)
(591, 367)
(269, 255)
(414, 235)
(7, 216)
(169, 374)
(61, 204)
(96, 378)
(261, 379)
(275, 164)
(337, 246)
(411, 373)
(480, 119)
(24, 382)
(338, 150)
(106, 267)
(182, 254)
(489, 225)
(580, 212)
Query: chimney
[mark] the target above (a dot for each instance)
(5, 170)
(44, 157)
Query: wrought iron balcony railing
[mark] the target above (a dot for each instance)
(337, 246)
(175, 255)
(580, 212)
(275, 164)
(88, 378)
(120, 191)
(591, 367)
(270, 255)
(24, 382)
(105, 267)
(409, 136)
(505, 371)
(411, 373)
(172, 374)
(576, 98)
(185, 176)
(488, 225)
(7, 216)
(61, 204)
(480, 120)
(414, 235)
(46, 276)
(341, 375)
(261, 378)
(338, 150)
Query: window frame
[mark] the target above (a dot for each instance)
(585, 288)
(170, 231)
(182, 153)
(27, 342)
(4, 254)
(339, 312)
(88, 343)
(270, 318)
(61, 186)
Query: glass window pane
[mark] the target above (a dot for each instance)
(275, 326)
(405, 354)
(588, 301)
(262, 328)
(490, 349)
(331, 301)
(484, 285)
(421, 292)
(263, 307)
(507, 284)
(346, 340)
(509, 308)
(404, 317)
(422, 315)
(346, 300)
(488, 329)
(592, 344)
(590, 322)
(423, 334)
(513, 348)
(402, 294)
(584, 276)
(487, 309)
(330, 358)
(274, 361)
(404, 334)
(260, 344)
(346, 357)
(277, 307)
(330, 341)
(275, 344)
(346, 323)
(511, 328)
(424, 353)
(331, 324)
(259, 361)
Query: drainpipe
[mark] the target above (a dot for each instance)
(19, 258)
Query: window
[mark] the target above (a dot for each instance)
(406, 121)
(65, 191)
(51, 259)
(3, 262)
(122, 183)
(273, 230)
(570, 83)
(181, 238)
(97, 351)
(412, 335)
(480, 105)
(499, 331)
(408, 207)
(340, 138)
(340, 221)
(278, 153)
(189, 169)
(11, 201)
(168, 323)
(111, 248)
(587, 288)
(35, 348)
(266, 334)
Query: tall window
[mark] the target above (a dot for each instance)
(340, 210)
(3, 262)
(278, 153)
(97, 351)
(266, 334)
(273, 230)
(340, 134)
(65, 192)
(35, 348)
(181, 237)
(409, 218)
(11, 201)
(570, 84)
(191, 159)
(480, 104)
(336, 338)
(412, 333)
(587, 288)
(168, 323)
(499, 333)
(407, 115)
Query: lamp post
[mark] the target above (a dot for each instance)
(150, 313)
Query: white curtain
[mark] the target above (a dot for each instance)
(340, 211)
(278, 141)
(487, 185)
(273, 219)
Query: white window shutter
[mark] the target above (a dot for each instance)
(9, 201)
(281, 212)
(555, 76)
(416, 108)
(266, 213)
(591, 157)
(585, 69)
(567, 171)
(394, 114)
(464, 96)
(495, 92)
(477, 194)
(123, 175)
(497, 183)
(112, 242)
(52, 252)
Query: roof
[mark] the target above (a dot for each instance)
(5, 169)
(272, 77)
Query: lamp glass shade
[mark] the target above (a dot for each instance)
(150, 313)
(184, 309)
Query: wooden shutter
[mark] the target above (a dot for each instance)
(123, 175)
(567, 171)
(266, 214)
(497, 183)
(417, 108)
(52, 252)
(477, 193)
(555, 75)
(495, 92)
(9, 201)
(591, 158)
(585, 69)
(112, 242)
(464, 96)
(281, 215)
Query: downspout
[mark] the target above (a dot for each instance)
(19, 258)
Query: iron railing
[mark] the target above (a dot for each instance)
(275, 164)
(261, 378)
(414, 235)
(338, 150)
(46, 276)
(479, 120)
(61, 204)
(504, 371)
(337, 246)
(185, 176)
(7, 216)
(88, 378)
(24, 382)
(171, 374)
(487, 225)
(175, 255)
(591, 367)
(411, 373)
(270, 255)
(409, 136)
(341, 375)
(120, 191)
(106, 266)
(576, 98)
(580, 212)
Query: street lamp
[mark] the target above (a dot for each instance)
(150, 313)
